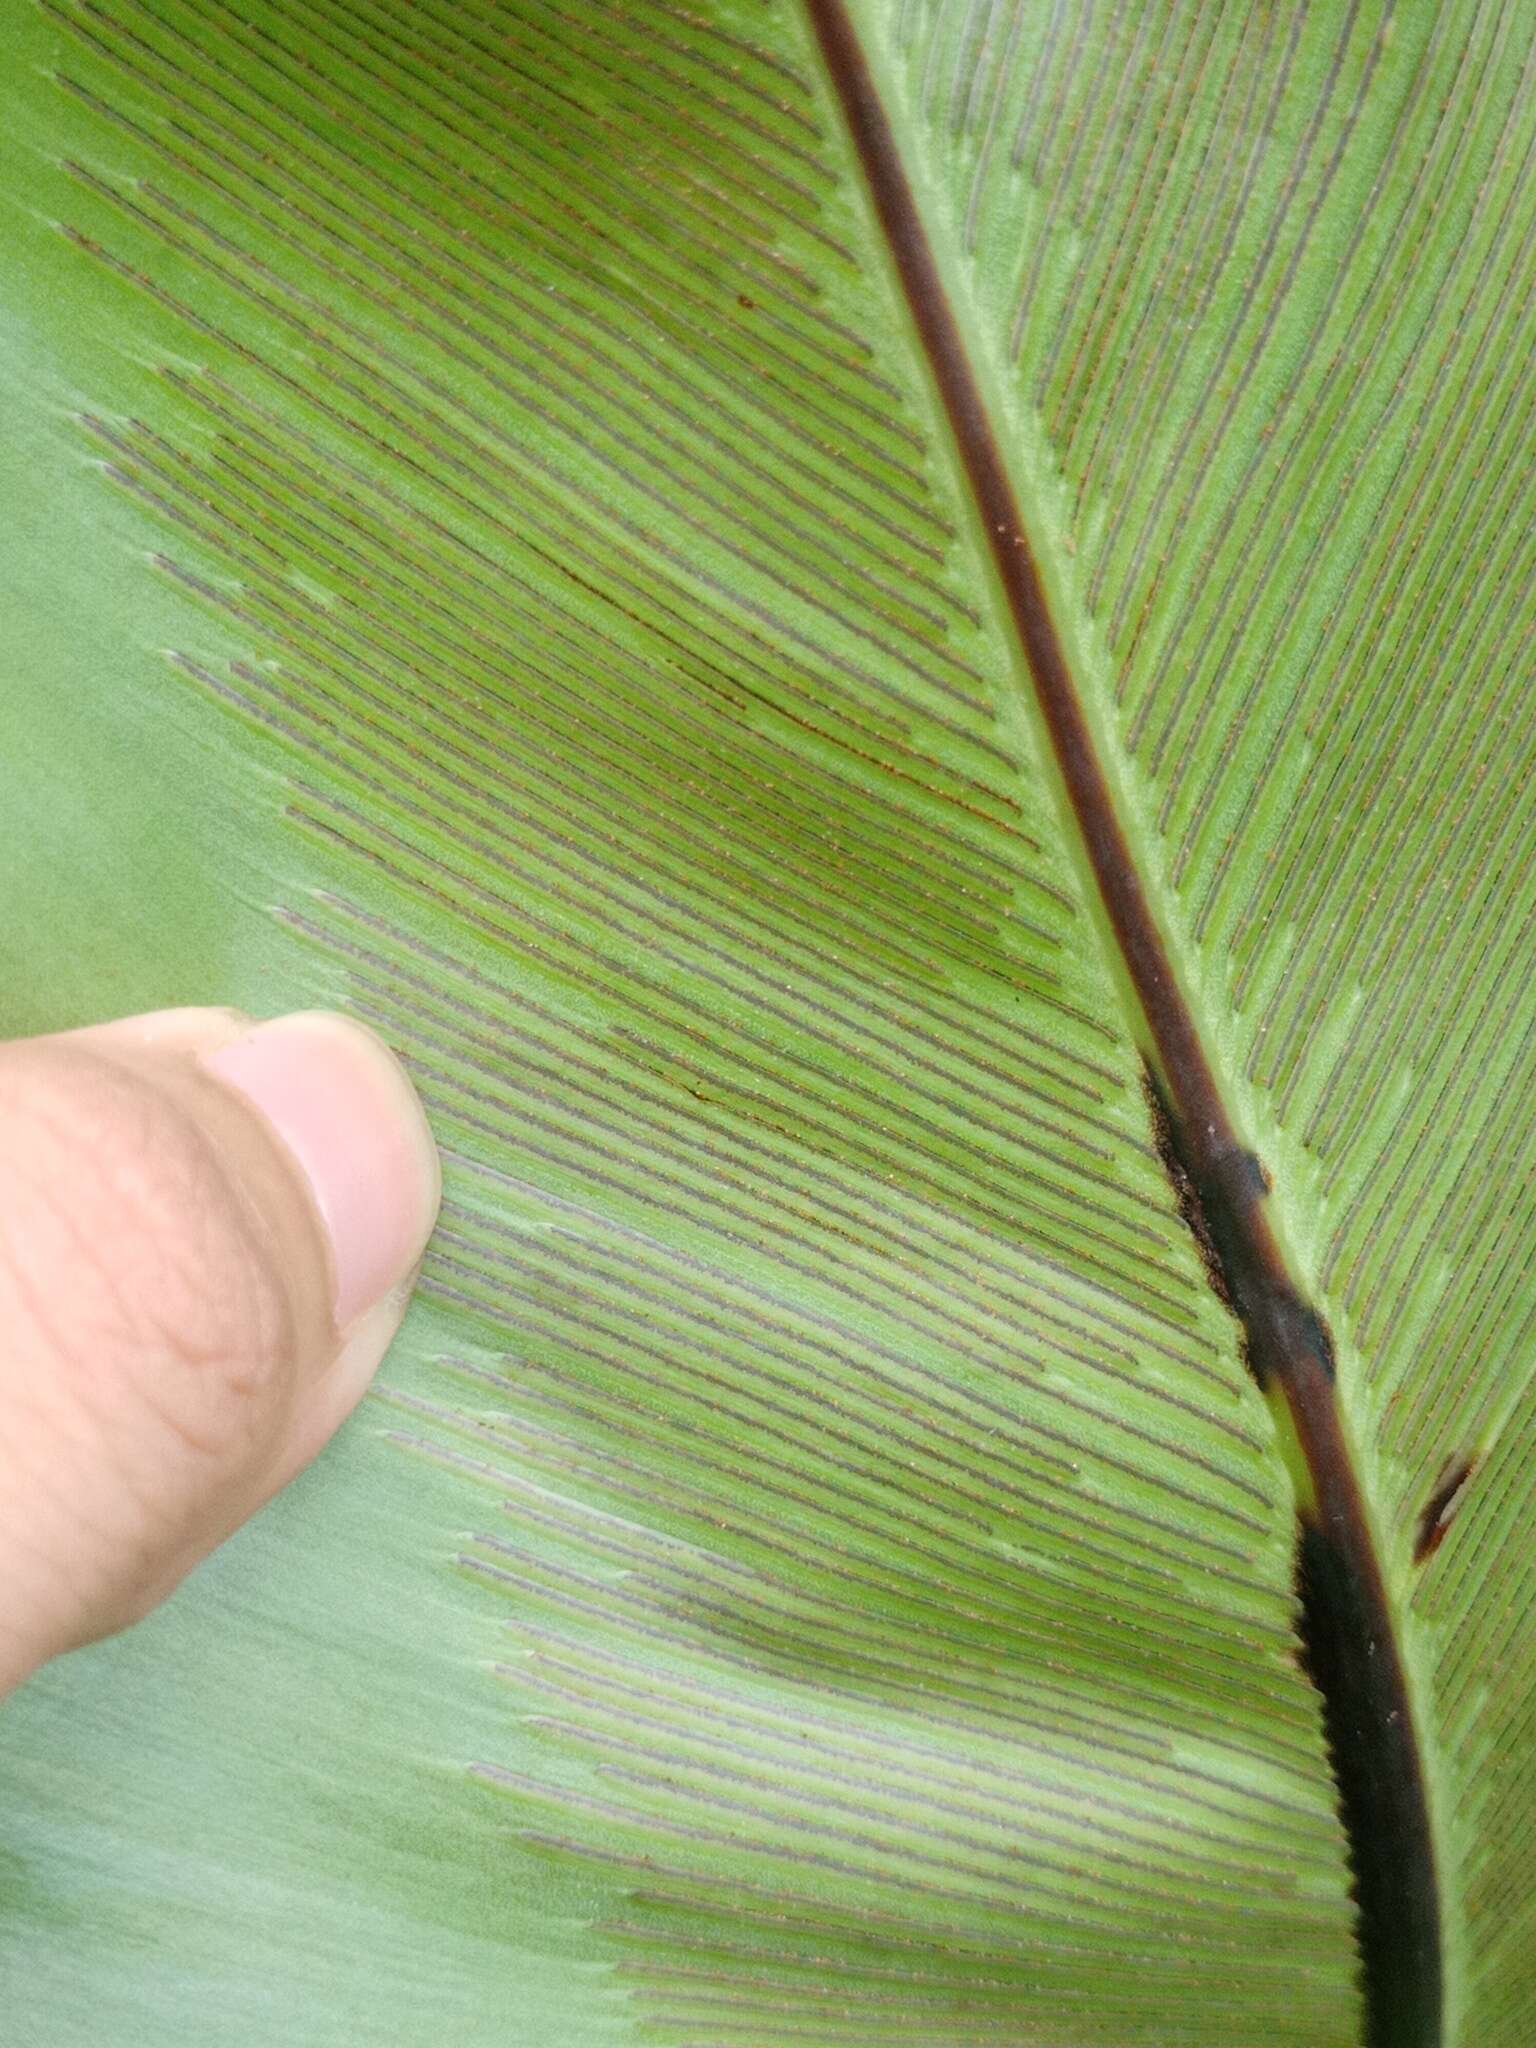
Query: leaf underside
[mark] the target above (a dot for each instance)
(488, 548)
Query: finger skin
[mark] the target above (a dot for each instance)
(169, 1351)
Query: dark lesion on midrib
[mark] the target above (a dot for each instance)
(1349, 1646)
(1349, 1641)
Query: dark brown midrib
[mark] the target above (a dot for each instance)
(1348, 1635)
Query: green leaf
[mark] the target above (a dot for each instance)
(495, 539)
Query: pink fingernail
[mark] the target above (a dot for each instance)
(340, 1101)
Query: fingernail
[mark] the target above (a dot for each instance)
(340, 1101)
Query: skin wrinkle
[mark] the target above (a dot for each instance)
(141, 1261)
(147, 1333)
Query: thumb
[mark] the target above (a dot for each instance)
(208, 1230)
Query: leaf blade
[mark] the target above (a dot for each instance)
(830, 1089)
